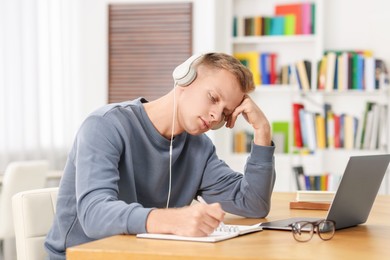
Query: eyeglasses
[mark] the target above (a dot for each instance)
(303, 230)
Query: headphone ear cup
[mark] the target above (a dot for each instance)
(219, 125)
(185, 74)
(187, 79)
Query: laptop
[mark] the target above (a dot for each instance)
(355, 195)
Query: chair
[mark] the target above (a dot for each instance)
(33, 213)
(18, 176)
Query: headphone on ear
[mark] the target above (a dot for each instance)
(185, 74)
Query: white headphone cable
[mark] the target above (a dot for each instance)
(171, 144)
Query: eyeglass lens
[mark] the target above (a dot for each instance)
(303, 231)
(326, 230)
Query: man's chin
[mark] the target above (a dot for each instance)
(198, 131)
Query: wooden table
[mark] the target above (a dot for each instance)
(368, 241)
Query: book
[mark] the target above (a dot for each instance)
(291, 9)
(309, 205)
(289, 24)
(320, 131)
(220, 234)
(277, 25)
(282, 128)
(306, 18)
(251, 60)
(331, 60)
(314, 196)
(299, 177)
(297, 124)
(303, 75)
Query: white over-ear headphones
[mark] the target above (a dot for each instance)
(185, 74)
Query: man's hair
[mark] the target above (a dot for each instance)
(224, 61)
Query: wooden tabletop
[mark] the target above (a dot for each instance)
(367, 241)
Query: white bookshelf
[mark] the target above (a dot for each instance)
(276, 100)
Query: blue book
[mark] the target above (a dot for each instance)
(303, 127)
(277, 25)
(360, 71)
(264, 62)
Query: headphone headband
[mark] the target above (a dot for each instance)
(185, 73)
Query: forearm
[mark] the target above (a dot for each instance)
(262, 135)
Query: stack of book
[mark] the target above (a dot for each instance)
(316, 130)
(262, 65)
(319, 200)
(341, 70)
(288, 19)
(242, 141)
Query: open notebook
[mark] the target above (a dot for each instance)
(221, 233)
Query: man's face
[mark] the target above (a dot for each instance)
(212, 96)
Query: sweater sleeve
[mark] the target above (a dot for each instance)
(246, 194)
(100, 212)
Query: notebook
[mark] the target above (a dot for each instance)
(355, 195)
(219, 234)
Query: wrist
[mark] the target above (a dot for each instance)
(158, 221)
(262, 136)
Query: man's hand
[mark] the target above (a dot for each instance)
(195, 220)
(255, 117)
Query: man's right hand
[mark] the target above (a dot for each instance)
(196, 220)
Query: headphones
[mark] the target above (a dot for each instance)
(185, 74)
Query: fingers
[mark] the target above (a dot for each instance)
(241, 109)
(251, 112)
(205, 218)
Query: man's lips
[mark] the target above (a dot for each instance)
(205, 124)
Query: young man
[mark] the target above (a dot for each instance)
(120, 173)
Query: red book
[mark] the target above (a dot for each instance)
(273, 72)
(337, 141)
(297, 124)
(294, 9)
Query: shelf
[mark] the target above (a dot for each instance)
(350, 92)
(277, 89)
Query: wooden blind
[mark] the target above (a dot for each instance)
(146, 43)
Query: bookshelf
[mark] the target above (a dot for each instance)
(276, 100)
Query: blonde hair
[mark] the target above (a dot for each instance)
(224, 61)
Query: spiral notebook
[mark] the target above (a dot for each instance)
(220, 234)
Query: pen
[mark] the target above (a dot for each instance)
(221, 224)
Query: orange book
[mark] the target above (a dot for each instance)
(291, 9)
(309, 205)
(297, 124)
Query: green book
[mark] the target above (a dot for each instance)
(267, 25)
(280, 133)
(313, 18)
(289, 24)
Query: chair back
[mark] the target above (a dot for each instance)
(33, 213)
(19, 176)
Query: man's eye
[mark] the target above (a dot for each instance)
(212, 99)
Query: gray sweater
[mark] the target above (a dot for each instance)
(118, 171)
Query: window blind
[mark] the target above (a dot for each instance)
(146, 43)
